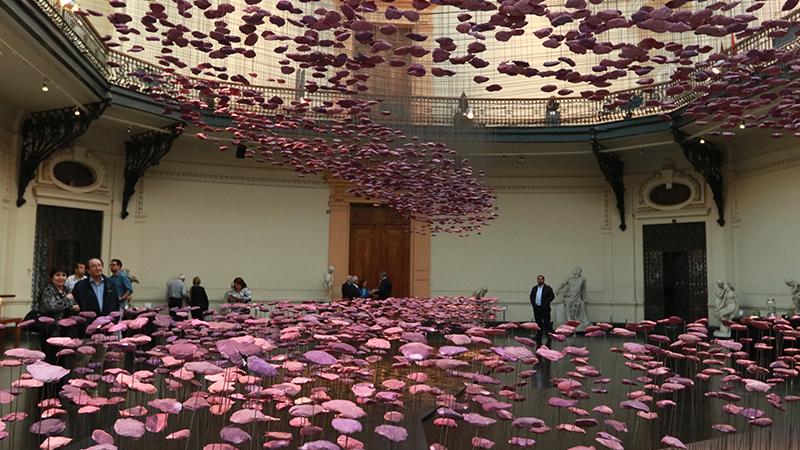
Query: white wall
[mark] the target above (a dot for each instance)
(275, 237)
(766, 219)
(547, 227)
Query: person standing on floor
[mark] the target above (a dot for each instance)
(121, 283)
(541, 297)
(198, 298)
(96, 293)
(384, 290)
(55, 302)
(78, 274)
(176, 292)
(349, 288)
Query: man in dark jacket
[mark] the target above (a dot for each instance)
(384, 287)
(541, 297)
(96, 293)
(350, 289)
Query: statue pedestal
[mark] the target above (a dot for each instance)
(723, 332)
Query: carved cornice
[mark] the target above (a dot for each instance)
(773, 166)
(237, 179)
(551, 188)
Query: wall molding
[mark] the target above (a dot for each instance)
(551, 188)
(773, 166)
(237, 179)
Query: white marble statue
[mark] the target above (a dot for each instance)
(574, 290)
(794, 289)
(726, 307)
(327, 283)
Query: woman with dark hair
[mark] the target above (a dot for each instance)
(56, 299)
(56, 302)
(198, 298)
(239, 292)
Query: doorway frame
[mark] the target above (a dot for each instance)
(714, 266)
(339, 241)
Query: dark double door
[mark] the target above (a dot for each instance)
(380, 241)
(64, 236)
(675, 271)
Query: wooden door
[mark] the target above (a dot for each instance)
(380, 241)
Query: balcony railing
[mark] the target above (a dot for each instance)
(121, 70)
(79, 31)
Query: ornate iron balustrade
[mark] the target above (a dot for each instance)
(432, 111)
(79, 31)
(418, 110)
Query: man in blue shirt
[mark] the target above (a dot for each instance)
(121, 282)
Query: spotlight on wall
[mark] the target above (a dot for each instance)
(702, 141)
(45, 88)
(742, 126)
(241, 151)
(77, 111)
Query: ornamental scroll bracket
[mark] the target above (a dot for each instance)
(142, 152)
(45, 132)
(614, 170)
(707, 160)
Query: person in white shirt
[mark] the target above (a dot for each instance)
(176, 292)
(78, 274)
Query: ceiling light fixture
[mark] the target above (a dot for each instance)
(702, 141)
(77, 111)
(45, 88)
(742, 126)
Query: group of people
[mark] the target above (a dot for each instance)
(87, 289)
(177, 295)
(352, 289)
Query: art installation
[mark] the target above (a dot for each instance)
(794, 291)
(574, 291)
(355, 374)
(726, 307)
(436, 373)
(732, 63)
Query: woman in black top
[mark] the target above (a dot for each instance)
(56, 302)
(198, 298)
(56, 299)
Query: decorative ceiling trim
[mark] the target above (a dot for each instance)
(773, 166)
(550, 189)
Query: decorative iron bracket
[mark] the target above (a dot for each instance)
(707, 160)
(142, 152)
(614, 170)
(47, 131)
